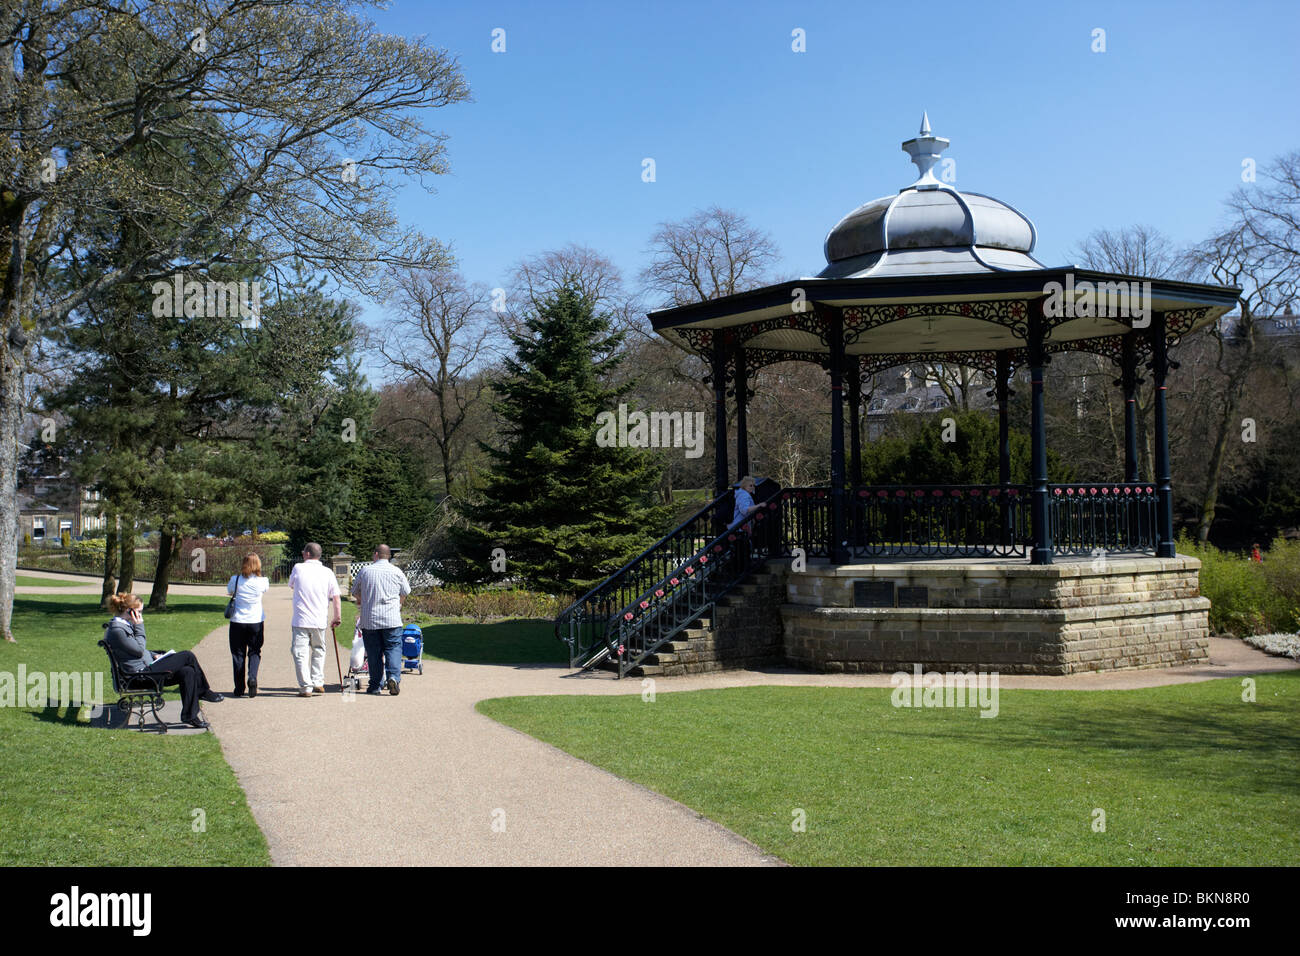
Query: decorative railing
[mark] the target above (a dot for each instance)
(806, 521)
(922, 520)
(680, 598)
(588, 624)
(958, 520)
(679, 578)
(1092, 518)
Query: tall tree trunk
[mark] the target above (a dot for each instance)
(11, 413)
(1210, 499)
(1116, 439)
(126, 569)
(446, 473)
(1146, 399)
(158, 596)
(110, 558)
(1228, 424)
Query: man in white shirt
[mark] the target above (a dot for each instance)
(379, 589)
(314, 588)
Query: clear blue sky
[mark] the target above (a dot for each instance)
(1153, 130)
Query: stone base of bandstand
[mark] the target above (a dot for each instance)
(1002, 615)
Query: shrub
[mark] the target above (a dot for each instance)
(37, 559)
(221, 558)
(1281, 569)
(1243, 598)
(275, 537)
(87, 555)
(486, 604)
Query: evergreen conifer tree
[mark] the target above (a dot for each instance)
(566, 511)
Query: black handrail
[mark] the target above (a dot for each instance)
(681, 598)
(584, 625)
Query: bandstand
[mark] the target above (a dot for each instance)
(1044, 578)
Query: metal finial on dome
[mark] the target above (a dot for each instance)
(925, 150)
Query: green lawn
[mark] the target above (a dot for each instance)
(512, 641)
(73, 795)
(1187, 775)
(23, 581)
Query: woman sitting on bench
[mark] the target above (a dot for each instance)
(124, 636)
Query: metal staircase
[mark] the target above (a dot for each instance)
(671, 585)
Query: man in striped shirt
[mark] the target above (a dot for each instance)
(379, 589)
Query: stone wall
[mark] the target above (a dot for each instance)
(1006, 616)
(745, 631)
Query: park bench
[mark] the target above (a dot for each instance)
(136, 692)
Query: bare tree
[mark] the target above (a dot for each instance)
(1258, 252)
(299, 109)
(591, 273)
(957, 382)
(1133, 250)
(1139, 250)
(437, 341)
(711, 253)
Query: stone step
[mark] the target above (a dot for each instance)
(677, 644)
(644, 669)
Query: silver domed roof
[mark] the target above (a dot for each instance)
(930, 228)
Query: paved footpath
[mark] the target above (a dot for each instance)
(421, 778)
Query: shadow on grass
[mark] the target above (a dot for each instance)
(66, 715)
(1252, 747)
(513, 641)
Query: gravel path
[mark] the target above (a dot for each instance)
(423, 779)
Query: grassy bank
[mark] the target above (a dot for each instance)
(1187, 775)
(73, 795)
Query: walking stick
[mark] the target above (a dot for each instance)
(337, 661)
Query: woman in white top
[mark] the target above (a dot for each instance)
(247, 588)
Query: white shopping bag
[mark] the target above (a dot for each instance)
(358, 651)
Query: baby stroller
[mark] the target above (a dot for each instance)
(413, 649)
(358, 666)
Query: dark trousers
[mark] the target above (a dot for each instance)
(245, 644)
(384, 654)
(183, 668)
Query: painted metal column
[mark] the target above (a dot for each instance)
(742, 420)
(1002, 390)
(855, 425)
(720, 478)
(1128, 381)
(1042, 532)
(1164, 482)
(839, 551)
